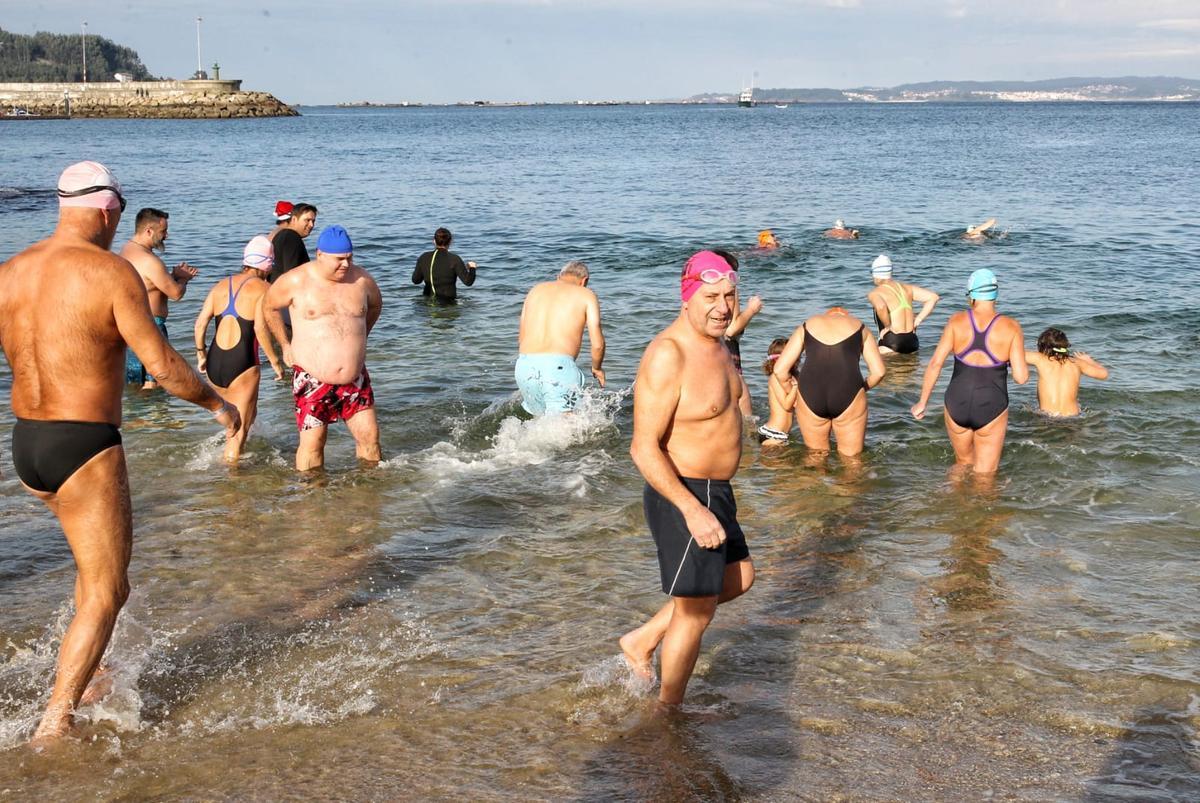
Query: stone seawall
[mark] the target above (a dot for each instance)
(154, 99)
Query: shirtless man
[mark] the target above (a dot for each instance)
(334, 304)
(840, 232)
(150, 232)
(553, 320)
(893, 304)
(68, 307)
(687, 441)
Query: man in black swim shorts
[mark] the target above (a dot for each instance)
(68, 368)
(687, 442)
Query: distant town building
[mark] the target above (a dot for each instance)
(122, 77)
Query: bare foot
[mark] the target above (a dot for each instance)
(56, 723)
(639, 661)
(99, 688)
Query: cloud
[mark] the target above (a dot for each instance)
(1172, 25)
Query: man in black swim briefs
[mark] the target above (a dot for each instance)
(687, 442)
(66, 444)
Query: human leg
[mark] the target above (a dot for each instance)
(962, 440)
(310, 453)
(94, 510)
(989, 444)
(813, 429)
(242, 393)
(364, 426)
(850, 428)
(690, 617)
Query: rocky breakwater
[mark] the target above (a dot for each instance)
(213, 99)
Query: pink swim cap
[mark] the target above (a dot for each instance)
(90, 185)
(704, 267)
(259, 253)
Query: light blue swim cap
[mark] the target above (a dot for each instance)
(982, 285)
(335, 240)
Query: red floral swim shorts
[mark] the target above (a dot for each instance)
(319, 404)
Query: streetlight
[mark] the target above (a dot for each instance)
(199, 68)
(84, 38)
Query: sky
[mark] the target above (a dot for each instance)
(316, 51)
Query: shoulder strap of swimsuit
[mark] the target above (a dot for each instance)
(900, 296)
(983, 340)
(229, 305)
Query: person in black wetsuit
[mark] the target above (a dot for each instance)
(984, 344)
(440, 269)
(231, 359)
(833, 393)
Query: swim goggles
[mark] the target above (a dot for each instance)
(90, 190)
(712, 276)
(257, 261)
(983, 290)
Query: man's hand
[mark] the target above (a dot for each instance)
(754, 305)
(183, 273)
(705, 528)
(599, 374)
(918, 410)
(278, 369)
(472, 265)
(229, 418)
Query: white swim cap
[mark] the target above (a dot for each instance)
(881, 268)
(838, 224)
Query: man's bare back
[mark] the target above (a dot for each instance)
(554, 318)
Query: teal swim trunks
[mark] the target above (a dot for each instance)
(135, 372)
(549, 383)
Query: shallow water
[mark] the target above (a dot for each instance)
(445, 625)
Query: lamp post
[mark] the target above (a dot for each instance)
(199, 68)
(84, 39)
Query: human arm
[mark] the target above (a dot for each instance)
(465, 271)
(131, 311)
(879, 304)
(262, 332)
(934, 369)
(374, 303)
(595, 336)
(1016, 356)
(656, 395)
(277, 299)
(790, 355)
(418, 274)
(783, 394)
(200, 330)
(1034, 359)
(174, 284)
(1089, 367)
(926, 297)
(742, 318)
(874, 359)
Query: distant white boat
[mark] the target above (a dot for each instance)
(781, 105)
(746, 99)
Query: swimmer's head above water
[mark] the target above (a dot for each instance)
(704, 267)
(767, 239)
(576, 272)
(773, 351)
(1053, 343)
(881, 268)
(89, 185)
(259, 255)
(982, 286)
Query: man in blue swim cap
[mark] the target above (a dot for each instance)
(334, 304)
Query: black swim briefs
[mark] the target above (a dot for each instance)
(687, 569)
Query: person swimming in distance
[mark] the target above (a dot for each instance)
(231, 359)
(840, 232)
(893, 305)
(767, 241)
(976, 402)
(781, 396)
(1059, 372)
(978, 234)
(832, 391)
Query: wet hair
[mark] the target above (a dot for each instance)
(148, 215)
(575, 268)
(1054, 344)
(300, 209)
(442, 237)
(774, 350)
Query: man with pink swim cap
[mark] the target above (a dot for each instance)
(68, 308)
(687, 442)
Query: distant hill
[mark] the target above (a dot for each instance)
(53, 57)
(1056, 89)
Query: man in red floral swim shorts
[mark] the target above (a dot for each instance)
(334, 304)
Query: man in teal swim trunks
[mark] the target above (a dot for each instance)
(553, 320)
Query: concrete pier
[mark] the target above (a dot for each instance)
(150, 99)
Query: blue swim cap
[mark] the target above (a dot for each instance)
(335, 240)
(982, 285)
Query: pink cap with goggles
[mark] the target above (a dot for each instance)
(90, 185)
(704, 267)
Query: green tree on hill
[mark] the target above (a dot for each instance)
(52, 57)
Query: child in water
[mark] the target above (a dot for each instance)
(1059, 372)
(781, 397)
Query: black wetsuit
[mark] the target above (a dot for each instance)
(226, 365)
(440, 271)
(47, 453)
(830, 378)
(290, 252)
(977, 394)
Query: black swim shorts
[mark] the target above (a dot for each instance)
(687, 569)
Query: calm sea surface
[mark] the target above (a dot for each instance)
(445, 626)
